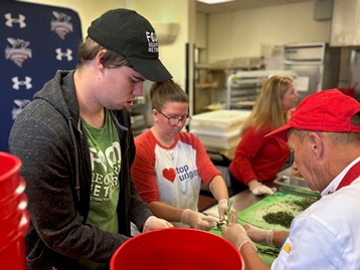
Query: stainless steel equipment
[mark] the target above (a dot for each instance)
(296, 185)
(316, 64)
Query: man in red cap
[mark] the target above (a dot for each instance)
(324, 134)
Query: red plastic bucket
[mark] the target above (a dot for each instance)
(14, 218)
(177, 248)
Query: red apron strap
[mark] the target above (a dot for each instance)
(351, 175)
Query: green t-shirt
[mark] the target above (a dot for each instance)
(105, 157)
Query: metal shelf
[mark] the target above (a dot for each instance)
(243, 87)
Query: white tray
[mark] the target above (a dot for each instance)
(219, 122)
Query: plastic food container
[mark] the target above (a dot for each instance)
(221, 141)
(219, 129)
(221, 121)
(177, 248)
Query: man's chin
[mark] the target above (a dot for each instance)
(116, 107)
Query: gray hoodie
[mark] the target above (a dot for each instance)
(48, 138)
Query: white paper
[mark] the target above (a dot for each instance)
(302, 84)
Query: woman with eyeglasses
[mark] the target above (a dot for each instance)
(170, 164)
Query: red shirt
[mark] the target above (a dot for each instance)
(257, 157)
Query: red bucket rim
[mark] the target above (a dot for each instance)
(14, 169)
(118, 250)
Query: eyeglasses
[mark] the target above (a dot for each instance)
(175, 120)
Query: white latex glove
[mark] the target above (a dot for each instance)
(263, 237)
(154, 223)
(237, 235)
(197, 220)
(222, 208)
(258, 188)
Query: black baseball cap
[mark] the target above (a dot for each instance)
(131, 35)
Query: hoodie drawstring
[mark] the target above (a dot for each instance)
(77, 182)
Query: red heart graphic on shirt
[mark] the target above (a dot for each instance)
(169, 174)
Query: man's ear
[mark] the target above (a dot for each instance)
(316, 145)
(99, 60)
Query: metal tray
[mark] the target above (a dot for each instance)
(296, 185)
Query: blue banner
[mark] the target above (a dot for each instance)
(35, 42)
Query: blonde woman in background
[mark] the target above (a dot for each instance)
(259, 159)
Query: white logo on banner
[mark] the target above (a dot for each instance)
(61, 25)
(60, 54)
(17, 83)
(21, 103)
(19, 53)
(10, 20)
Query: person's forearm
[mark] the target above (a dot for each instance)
(252, 260)
(253, 182)
(218, 188)
(279, 238)
(166, 212)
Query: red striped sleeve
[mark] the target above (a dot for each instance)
(143, 168)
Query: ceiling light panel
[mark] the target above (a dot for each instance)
(210, 2)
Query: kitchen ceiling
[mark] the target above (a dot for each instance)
(242, 4)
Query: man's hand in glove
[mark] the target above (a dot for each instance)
(258, 188)
(154, 223)
(197, 220)
(236, 234)
(260, 236)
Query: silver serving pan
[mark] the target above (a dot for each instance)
(296, 185)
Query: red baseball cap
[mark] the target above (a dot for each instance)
(328, 110)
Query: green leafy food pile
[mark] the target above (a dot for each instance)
(304, 203)
(282, 218)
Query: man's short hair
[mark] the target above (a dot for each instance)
(89, 49)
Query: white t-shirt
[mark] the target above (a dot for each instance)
(171, 175)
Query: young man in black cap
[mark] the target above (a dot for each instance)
(76, 148)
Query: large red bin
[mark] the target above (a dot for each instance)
(14, 218)
(177, 248)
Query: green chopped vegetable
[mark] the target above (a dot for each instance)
(282, 218)
(271, 251)
(228, 212)
(227, 217)
(304, 203)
